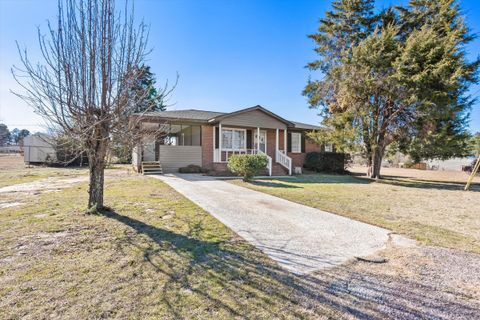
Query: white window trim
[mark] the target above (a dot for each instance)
(299, 134)
(234, 129)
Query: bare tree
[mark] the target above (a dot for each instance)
(83, 86)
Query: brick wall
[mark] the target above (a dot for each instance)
(298, 159)
(207, 147)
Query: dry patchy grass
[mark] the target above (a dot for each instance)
(433, 211)
(14, 171)
(155, 254)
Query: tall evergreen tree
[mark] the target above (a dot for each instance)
(347, 24)
(145, 95)
(442, 132)
(405, 82)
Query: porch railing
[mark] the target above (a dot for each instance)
(225, 154)
(284, 160)
(269, 167)
(222, 156)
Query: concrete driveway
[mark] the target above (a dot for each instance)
(300, 238)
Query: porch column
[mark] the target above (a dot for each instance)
(285, 141)
(258, 138)
(276, 144)
(214, 151)
(220, 142)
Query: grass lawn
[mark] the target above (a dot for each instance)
(434, 212)
(154, 254)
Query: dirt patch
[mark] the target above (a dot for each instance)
(4, 205)
(42, 186)
(18, 194)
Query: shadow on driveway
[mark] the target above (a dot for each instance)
(245, 277)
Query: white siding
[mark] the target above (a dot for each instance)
(38, 148)
(174, 157)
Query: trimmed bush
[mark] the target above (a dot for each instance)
(191, 168)
(331, 162)
(247, 165)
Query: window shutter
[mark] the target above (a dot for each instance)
(217, 137)
(302, 135)
(249, 139)
(289, 142)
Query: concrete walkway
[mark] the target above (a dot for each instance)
(300, 238)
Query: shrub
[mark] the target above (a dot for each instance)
(332, 162)
(191, 168)
(247, 165)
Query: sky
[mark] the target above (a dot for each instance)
(229, 54)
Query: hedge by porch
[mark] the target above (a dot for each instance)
(333, 162)
(247, 165)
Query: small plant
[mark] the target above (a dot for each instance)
(191, 168)
(247, 165)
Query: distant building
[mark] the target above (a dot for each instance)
(454, 164)
(39, 148)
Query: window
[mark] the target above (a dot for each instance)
(233, 139)
(182, 135)
(296, 142)
(328, 147)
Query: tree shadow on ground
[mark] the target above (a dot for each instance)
(319, 178)
(274, 184)
(420, 183)
(236, 281)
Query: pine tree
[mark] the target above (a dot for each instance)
(405, 82)
(347, 24)
(146, 96)
(442, 132)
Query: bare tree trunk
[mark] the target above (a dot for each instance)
(376, 163)
(97, 161)
(95, 190)
(369, 165)
(376, 159)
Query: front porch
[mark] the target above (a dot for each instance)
(234, 140)
(208, 139)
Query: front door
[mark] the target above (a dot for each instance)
(263, 140)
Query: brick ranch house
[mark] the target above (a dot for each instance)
(185, 137)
